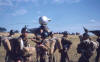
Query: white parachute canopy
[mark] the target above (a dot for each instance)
(43, 20)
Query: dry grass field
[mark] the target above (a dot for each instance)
(73, 55)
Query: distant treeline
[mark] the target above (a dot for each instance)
(2, 29)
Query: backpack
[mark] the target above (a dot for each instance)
(16, 52)
(85, 47)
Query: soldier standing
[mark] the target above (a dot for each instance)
(25, 46)
(24, 37)
(38, 41)
(7, 45)
(41, 35)
(86, 48)
(65, 47)
(53, 47)
(44, 47)
(98, 51)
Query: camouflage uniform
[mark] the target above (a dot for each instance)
(7, 45)
(53, 46)
(98, 51)
(16, 52)
(38, 41)
(86, 48)
(26, 49)
(65, 43)
(25, 41)
(42, 51)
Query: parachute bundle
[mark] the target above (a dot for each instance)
(85, 46)
(96, 32)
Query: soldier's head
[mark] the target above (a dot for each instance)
(65, 34)
(44, 35)
(24, 31)
(85, 36)
(44, 28)
(11, 33)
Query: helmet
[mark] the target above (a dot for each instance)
(43, 20)
(24, 30)
(65, 33)
(86, 35)
(11, 32)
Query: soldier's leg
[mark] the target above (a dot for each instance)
(28, 52)
(63, 57)
(42, 58)
(51, 58)
(98, 56)
(46, 58)
(54, 58)
(6, 44)
(87, 57)
(81, 59)
(10, 60)
(37, 55)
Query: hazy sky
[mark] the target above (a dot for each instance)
(70, 15)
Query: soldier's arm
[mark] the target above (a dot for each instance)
(46, 45)
(36, 41)
(59, 45)
(69, 43)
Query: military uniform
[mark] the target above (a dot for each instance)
(53, 47)
(27, 50)
(25, 41)
(45, 46)
(98, 51)
(38, 41)
(65, 43)
(7, 45)
(86, 48)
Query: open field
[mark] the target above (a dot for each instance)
(73, 55)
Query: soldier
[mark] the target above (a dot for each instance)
(43, 47)
(6, 43)
(16, 53)
(11, 33)
(98, 50)
(38, 41)
(53, 47)
(65, 43)
(43, 29)
(25, 46)
(86, 48)
(20, 51)
(24, 37)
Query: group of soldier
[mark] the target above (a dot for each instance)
(19, 50)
